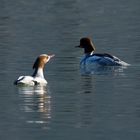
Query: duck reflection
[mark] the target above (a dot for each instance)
(36, 101)
(92, 69)
(86, 103)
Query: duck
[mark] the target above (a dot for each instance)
(98, 59)
(37, 77)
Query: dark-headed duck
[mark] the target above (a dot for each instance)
(103, 59)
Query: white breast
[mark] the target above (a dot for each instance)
(40, 81)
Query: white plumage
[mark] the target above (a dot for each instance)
(38, 76)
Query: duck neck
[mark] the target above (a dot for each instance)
(38, 73)
(89, 53)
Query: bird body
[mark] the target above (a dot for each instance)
(38, 76)
(102, 59)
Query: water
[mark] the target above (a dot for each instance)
(74, 105)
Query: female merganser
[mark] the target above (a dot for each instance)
(38, 77)
(101, 59)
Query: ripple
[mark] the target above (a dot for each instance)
(36, 102)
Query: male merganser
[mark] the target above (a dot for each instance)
(38, 77)
(101, 59)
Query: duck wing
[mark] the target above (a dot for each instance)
(24, 80)
(107, 59)
(105, 55)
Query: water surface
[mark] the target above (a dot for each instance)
(74, 105)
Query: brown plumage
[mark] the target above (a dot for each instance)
(41, 61)
(87, 44)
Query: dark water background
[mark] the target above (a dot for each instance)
(74, 106)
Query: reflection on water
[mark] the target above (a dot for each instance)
(102, 103)
(86, 100)
(36, 101)
(94, 69)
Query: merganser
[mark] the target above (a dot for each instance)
(38, 77)
(101, 59)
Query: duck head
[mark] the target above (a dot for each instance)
(87, 44)
(42, 60)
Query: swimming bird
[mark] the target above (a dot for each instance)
(38, 76)
(100, 59)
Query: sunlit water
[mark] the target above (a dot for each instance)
(76, 104)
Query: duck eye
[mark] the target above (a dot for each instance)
(46, 59)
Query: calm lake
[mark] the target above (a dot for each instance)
(75, 105)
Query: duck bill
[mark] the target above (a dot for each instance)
(51, 56)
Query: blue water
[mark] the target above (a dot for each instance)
(74, 105)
